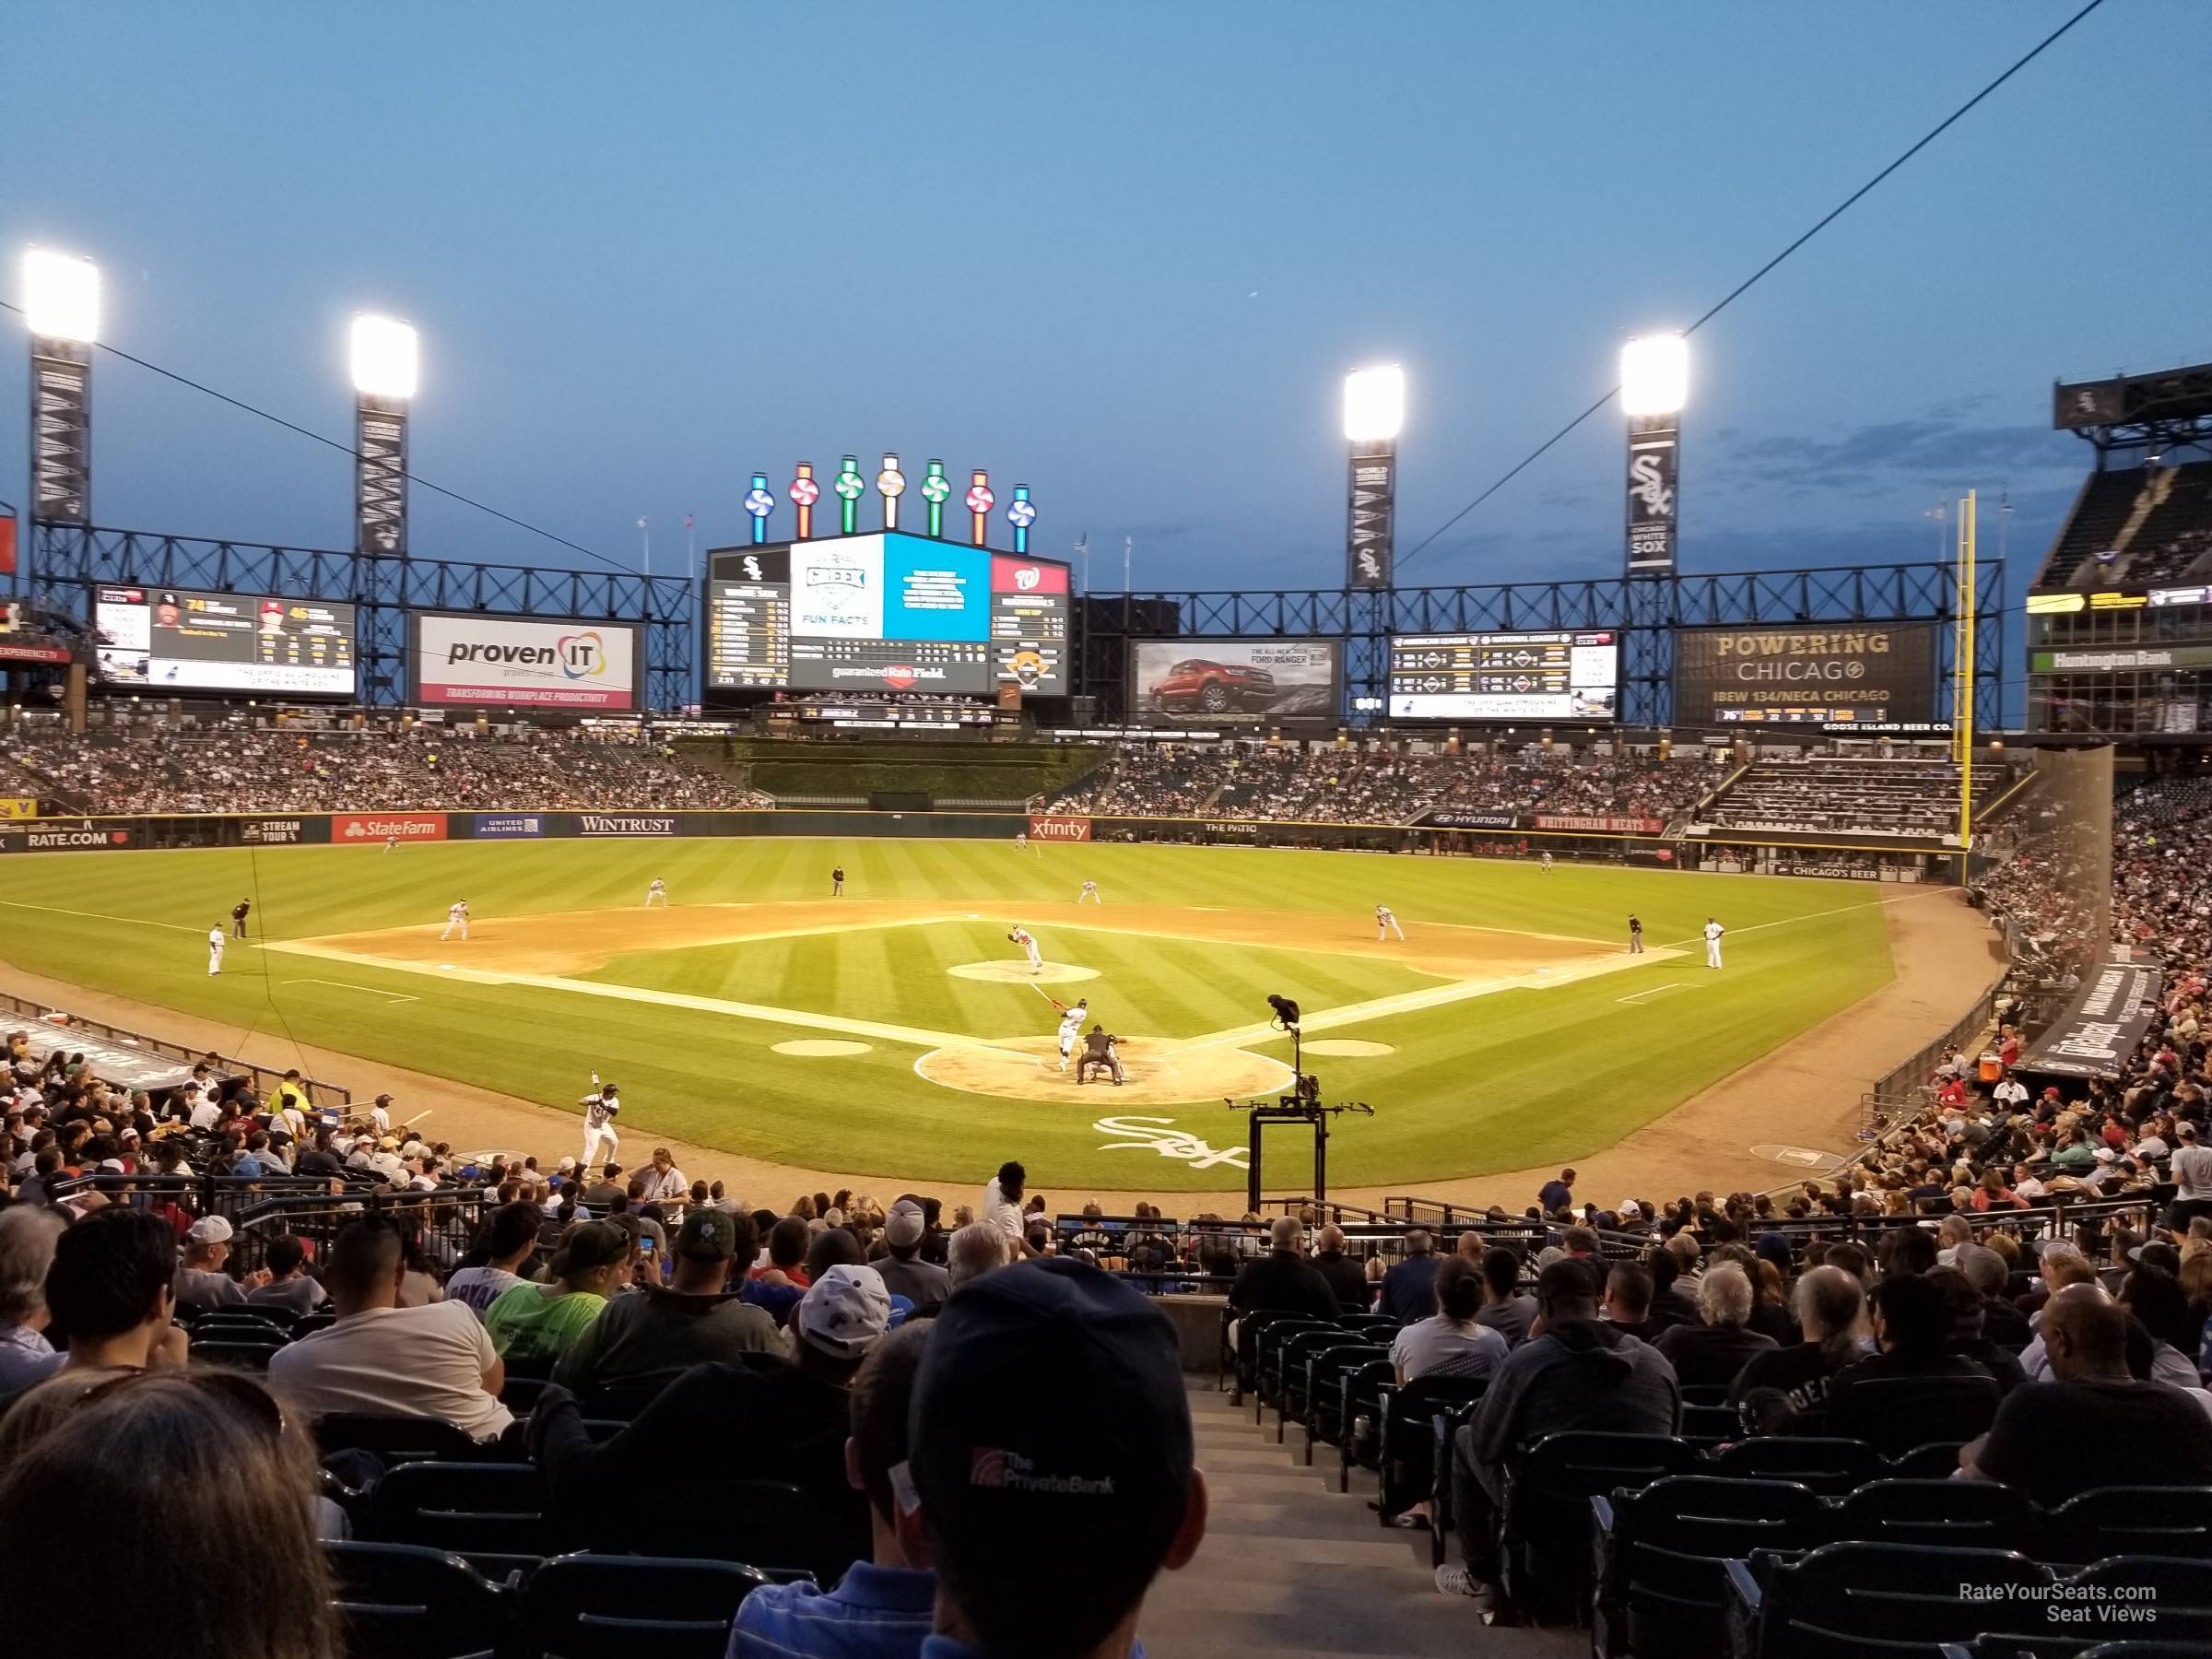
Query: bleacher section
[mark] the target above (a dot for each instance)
(1857, 796)
(2155, 520)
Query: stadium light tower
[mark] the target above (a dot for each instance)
(386, 365)
(1374, 413)
(61, 304)
(1655, 384)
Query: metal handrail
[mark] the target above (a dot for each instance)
(262, 1074)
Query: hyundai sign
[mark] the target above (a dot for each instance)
(465, 661)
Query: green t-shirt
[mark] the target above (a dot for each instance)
(537, 1323)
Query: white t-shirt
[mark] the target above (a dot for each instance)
(1001, 1212)
(426, 1362)
(1435, 1346)
(2191, 1167)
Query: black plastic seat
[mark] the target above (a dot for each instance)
(245, 1353)
(1295, 1398)
(598, 1607)
(1268, 1384)
(1362, 1389)
(1404, 1454)
(396, 1440)
(1323, 1418)
(2160, 1520)
(1935, 1460)
(1830, 1467)
(520, 1394)
(401, 1601)
(1895, 1413)
(1711, 1425)
(2175, 1593)
(1963, 1514)
(1849, 1601)
(1662, 1556)
(1543, 1519)
(1444, 1425)
(768, 1525)
(1250, 1327)
(466, 1508)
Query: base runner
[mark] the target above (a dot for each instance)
(1071, 1025)
(456, 915)
(1386, 923)
(1091, 891)
(599, 1109)
(657, 893)
(1021, 937)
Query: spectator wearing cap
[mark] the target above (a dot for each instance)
(111, 1290)
(27, 1239)
(509, 1239)
(1409, 1287)
(607, 1190)
(201, 1281)
(884, 1607)
(1579, 1373)
(1347, 1277)
(1283, 1281)
(653, 1334)
(2094, 1424)
(533, 1325)
(288, 1289)
(720, 1423)
(1049, 1509)
(434, 1361)
(903, 1271)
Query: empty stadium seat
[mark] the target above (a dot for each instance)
(597, 1606)
(1363, 1389)
(401, 1601)
(396, 1440)
(465, 1508)
(1827, 1466)
(1300, 1354)
(1324, 1416)
(1662, 1579)
(1543, 1519)
(1846, 1601)
(2161, 1520)
(242, 1353)
(1896, 1413)
(1969, 1514)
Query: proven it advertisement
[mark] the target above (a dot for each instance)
(463, 661)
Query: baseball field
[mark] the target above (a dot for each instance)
(897, 1029)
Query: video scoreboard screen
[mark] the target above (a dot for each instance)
(884, 613)
(167, 639)
(1557, 675)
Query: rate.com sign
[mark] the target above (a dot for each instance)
(351, 829)
(456, 660)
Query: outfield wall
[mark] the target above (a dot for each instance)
(1583, 840)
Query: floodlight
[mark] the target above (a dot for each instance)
(61, 296)
(1654, 374)
(384, 358)
(1374, 404)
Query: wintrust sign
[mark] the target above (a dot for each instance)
(622, 823)
(512, 661)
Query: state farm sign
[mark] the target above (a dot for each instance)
(387, 826)
(1059, 828)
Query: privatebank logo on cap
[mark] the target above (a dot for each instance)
(1011, 1472)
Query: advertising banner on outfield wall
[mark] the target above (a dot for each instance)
(1609, 826)
(1043, 828)
(1472, 821)
(81, 836)
(351, 829)
(284, 832)
(507, 825)
(628, 824)
(471, 660)
(2095, 1037)
(1839, 674)
(19, 806)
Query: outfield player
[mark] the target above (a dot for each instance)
(391, 843)
(1071, 1025)
(1635, 934)
(456, 915)
(215, 949)
(1544, 863)
(837, 882)
(599, 1109)
(1386, 924)
(1021, 841)
(1021, 937)
(1713, 931)
(1091, 891)
(657, 893)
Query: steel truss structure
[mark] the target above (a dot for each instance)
(70, 563)
(1644, 609)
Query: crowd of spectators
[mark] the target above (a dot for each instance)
(1322, 783)
(237, 767)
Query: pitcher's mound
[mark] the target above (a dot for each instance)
(1013, 971)
(1154, 1072)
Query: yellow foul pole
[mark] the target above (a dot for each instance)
(1962, 683)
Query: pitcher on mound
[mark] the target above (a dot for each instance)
(1021, 937)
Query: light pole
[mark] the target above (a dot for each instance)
(1374, 413)
(1655, 384)
(386, 364)
(61, 304)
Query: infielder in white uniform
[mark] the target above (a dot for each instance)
(1386, 924)
(1071, 1026)
(1021, 937)
(215, 949)
(599, 1109)
(1713, 931)
(456, 915)
(657, 893)
(1091, 891)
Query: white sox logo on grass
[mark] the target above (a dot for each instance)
(1059, 828)
(595, 823)
(1159, 1134)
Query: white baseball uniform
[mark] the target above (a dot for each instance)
(215, 950)
(599, 1109)
(1546, 862)
(1021, 839)
(1386, 924)
(456, 915)
(1091, 891)
(1028, 945)
(390, 842)
(1713, 931)
(1071, 1028)
(656, 893)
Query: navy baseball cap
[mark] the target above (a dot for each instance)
(1050, 1438)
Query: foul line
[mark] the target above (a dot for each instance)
(56, 910)
(1639, 995)
(1813, 916)
(349, 985)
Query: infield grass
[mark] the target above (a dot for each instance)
(1518, 1078)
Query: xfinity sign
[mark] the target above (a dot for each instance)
(468, 660)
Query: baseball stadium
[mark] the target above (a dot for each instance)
(1649, 1079)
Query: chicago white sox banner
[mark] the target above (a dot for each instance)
(1654, 455)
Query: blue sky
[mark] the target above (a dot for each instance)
(1122, 254)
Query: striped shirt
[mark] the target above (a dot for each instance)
(873, 1612)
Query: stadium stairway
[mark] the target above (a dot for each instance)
(1290, 1566)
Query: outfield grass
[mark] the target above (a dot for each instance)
(1500, 1081)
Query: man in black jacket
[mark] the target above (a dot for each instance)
(1283, 1281)
(1347, 1277)
(1409, 1288)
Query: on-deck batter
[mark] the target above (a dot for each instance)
(599, 1109)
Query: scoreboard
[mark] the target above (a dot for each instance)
(1552, 675)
